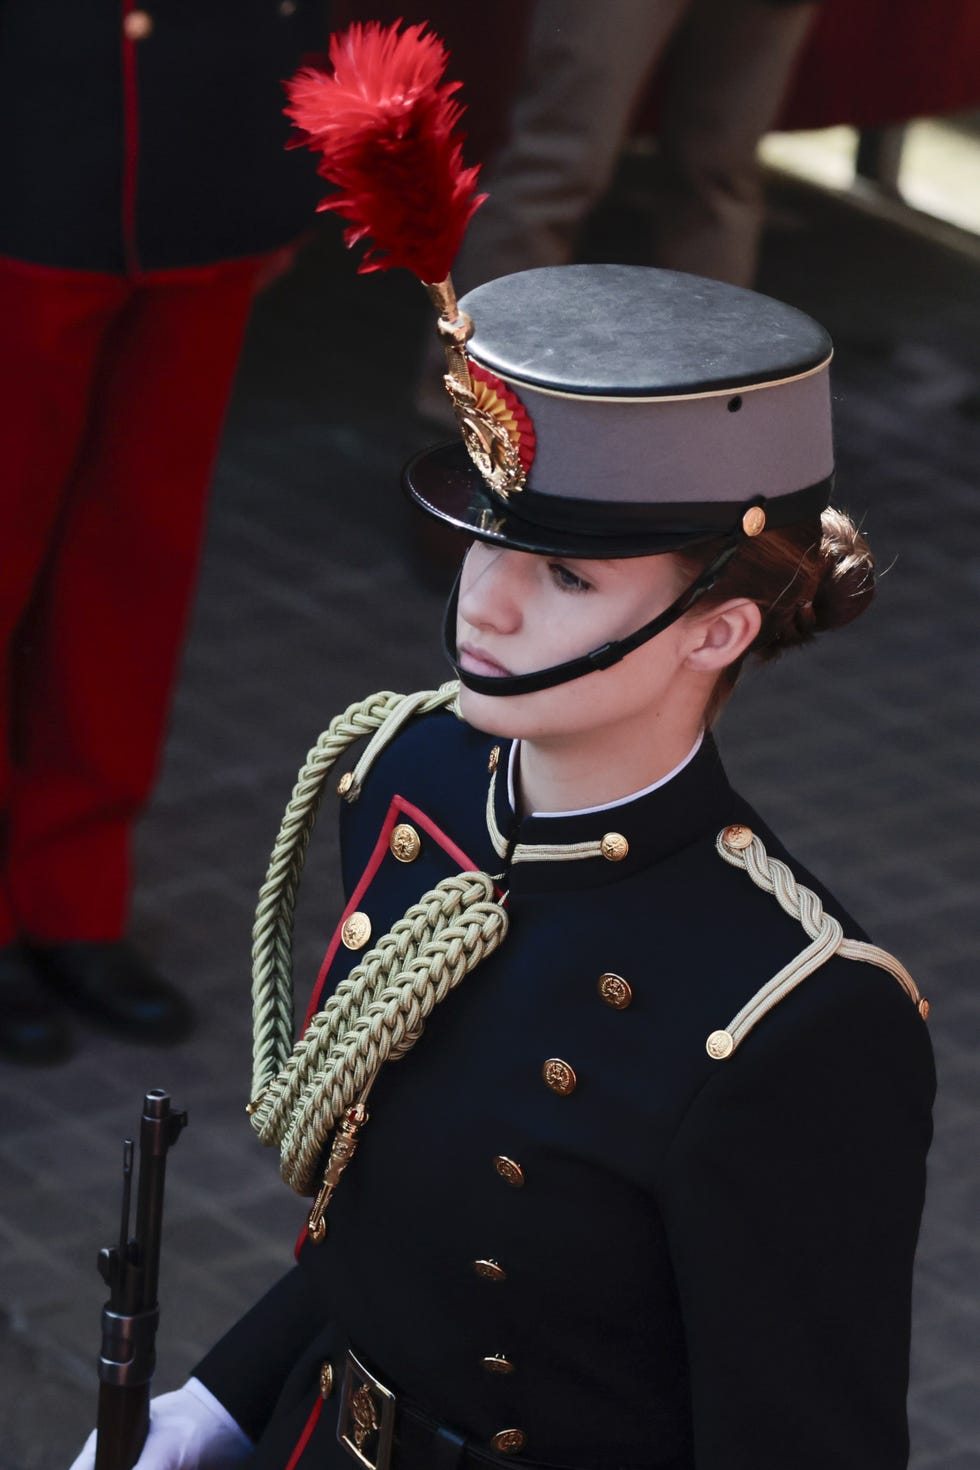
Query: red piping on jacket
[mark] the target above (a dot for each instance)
(305, 1437)
(131, 145)
(399, 807)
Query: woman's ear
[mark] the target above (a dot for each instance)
(722, 634)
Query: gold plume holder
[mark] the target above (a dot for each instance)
(488, 443)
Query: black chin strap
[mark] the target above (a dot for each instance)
(599, 658)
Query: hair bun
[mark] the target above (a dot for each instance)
(846, 581)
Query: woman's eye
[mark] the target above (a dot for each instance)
(566, 579)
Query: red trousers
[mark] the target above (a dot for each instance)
(112, 396)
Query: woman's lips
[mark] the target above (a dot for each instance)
(475, 661)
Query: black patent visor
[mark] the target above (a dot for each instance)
(600, 658)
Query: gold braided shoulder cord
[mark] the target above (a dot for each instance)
(742, 849)
(300, 1093)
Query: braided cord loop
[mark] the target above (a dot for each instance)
(380, 715)
(744, 850)
(378, 1011)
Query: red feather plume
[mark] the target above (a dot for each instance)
(384, 123)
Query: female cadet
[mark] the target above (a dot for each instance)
(644, 1190)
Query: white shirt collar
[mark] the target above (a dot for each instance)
(608, 806)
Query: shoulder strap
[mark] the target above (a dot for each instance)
(739, 846)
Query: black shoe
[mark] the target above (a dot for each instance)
(112, 986)
(32, 1028)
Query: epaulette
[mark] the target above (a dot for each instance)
(739, 846)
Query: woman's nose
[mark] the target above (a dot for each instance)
(489, 593)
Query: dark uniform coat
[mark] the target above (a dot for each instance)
(157, 152)
(692, 1263)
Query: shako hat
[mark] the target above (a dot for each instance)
(647, 411)
(605, 411)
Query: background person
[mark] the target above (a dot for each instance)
(128, 264)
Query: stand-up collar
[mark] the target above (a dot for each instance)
(587, 849)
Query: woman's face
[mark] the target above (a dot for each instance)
(519, 613)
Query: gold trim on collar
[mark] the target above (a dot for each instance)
(545, 852)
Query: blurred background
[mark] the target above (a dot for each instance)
(316, 586)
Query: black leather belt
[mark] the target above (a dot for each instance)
(382, 1431)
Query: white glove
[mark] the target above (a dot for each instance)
(189, 1430)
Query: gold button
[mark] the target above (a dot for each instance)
(559, 1076)
(508, 1170)
(345, 783)
(924, 1009)
(405, 843)
(614, 847)
(137, 25)
(494, 758)
(356, 931)
(326, 1380)
(754, 520)
(720, 1045)
(736, 837)
(508, 1441)
(615, 991)
(489, 1270)
(497, 1363)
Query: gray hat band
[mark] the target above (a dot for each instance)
(767, 440)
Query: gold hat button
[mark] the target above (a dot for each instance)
(137, 25)
(754, 520)
(497, 1363)
(507, 1169)
(345, 783)
(490, 1270)
(719, 1045)
(559, 1076)
(737, 838)
(615, 991)
(405, 843)
(494, 758)
(508, 1441)
(326, 1380)
(356, 931)
(614, 847)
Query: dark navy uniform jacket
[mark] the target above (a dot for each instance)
(152, 153)
(699, 1263)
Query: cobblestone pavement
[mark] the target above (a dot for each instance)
(862, 753)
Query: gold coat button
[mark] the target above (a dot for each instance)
(737, 838)
(719, 1045)
(497, 1363)
(508, 1170)
(356, 931)
(559, 1076)
(405, 843)
(508, 1441)
(490, 1270)
(754, 520)
(614, 847)
(494, 758)
(326, 1380)
(615, 991)
(345, 783)
(137, 25)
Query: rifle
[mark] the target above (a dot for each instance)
(131, 1270)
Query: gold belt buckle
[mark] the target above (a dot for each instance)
(366, 1426)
